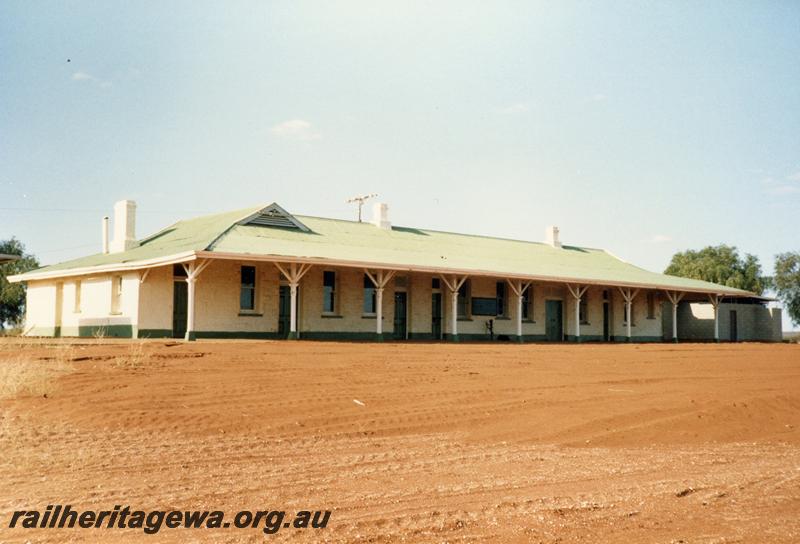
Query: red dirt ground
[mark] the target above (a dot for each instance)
(448, 443)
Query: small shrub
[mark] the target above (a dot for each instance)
(21, 375)
(134, 358)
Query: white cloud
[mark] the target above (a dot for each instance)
(296, 129)
(661, 239)
(775, 187)
(513, 109)
(784, 189)
(82, 76)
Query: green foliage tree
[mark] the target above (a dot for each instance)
(720, 264)
(12, 295)
(786, 283)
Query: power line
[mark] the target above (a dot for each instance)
(84, 210)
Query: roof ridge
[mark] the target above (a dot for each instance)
(484, 236)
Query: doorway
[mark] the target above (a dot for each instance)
(554, 321)
(436, 316)
(400, 317)
(734, 327)
(606, 335)
(180, 302)
(284, 311)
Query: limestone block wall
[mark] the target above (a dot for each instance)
(155, 303)
(348, 317)
(755, 322)
(40, 309)
(53, 308)
(217, 302)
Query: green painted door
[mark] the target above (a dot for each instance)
(436, 316)
(400, 316)
(180, 301)
(284, 311)
(553, 321)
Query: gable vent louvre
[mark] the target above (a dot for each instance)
(274, 216)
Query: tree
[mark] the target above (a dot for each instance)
(786, 283)
(720, 264)
(12, 295)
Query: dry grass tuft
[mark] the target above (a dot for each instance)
(20, 374)
(134, 358)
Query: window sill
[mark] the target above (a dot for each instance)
(585, 323)
(369, 316)
(114, 313)
(250, 314)
(331, 316)
(463, 319)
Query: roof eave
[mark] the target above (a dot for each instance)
(100, 269)
(193, 255)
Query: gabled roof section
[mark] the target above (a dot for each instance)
(274, 216)
(185, 236)
(271, 233)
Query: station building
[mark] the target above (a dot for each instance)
(265, 273)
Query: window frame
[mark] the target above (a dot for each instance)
(253, 289)
(527, 305)
(331, 293)
(116, 295)
(369, 290)
(463, 301)
(651, 305)
(501, 296)
(583, 309)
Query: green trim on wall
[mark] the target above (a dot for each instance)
(421, 336)
(341, 335)
(251, 335)
(155, 333)
(111, 331)
(637, 339)
(584, 338)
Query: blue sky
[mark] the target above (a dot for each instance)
(643, 128)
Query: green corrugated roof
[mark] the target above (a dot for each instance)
(339, 240)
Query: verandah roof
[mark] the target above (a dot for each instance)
(337, 241)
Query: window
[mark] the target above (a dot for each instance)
(328, 291)
(247, 291)
(116, 294)
(500, 293)
(527, 303)
(178, 271)
(77, 307)
(583, 311)
(463, 295)
(370, 305)
(651, 305)
(436, 283)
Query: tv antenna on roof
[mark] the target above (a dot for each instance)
(360, 200)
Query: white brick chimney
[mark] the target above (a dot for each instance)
(551, 235)
(380, 215)
(124, 226)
